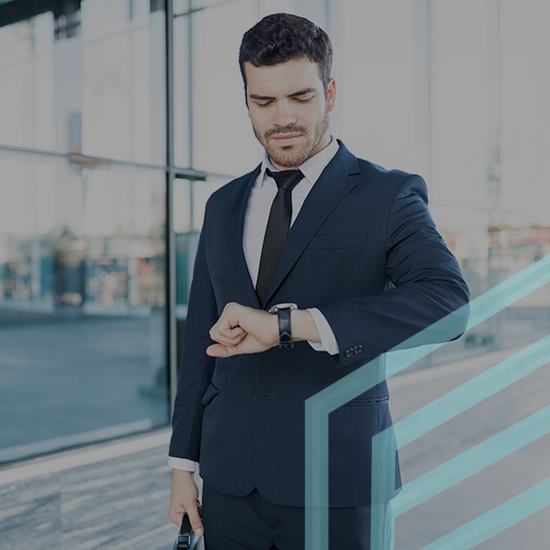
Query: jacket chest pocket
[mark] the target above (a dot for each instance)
(338, 241)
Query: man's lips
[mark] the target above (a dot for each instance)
(286, 139)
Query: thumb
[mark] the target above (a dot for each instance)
(219, 350)
(195, 518)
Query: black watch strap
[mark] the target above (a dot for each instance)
(285, 331)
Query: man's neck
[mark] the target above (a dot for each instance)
(323, 145)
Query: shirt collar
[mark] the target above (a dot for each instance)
(312, 168)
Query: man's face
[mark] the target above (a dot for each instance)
(289, 110)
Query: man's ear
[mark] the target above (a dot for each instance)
(331, 95)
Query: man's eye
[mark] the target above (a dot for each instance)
(263, 104)
(303, 100)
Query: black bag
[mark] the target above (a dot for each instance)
(187, 540)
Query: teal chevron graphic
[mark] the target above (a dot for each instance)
(323, 403)
(496, 520)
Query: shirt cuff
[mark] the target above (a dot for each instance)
(183, 464)
(328, 340)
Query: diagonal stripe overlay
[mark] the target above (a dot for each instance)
(472, 461)
(320, 405)
(473, 392)
(495, 521)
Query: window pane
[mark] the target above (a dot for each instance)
(82, 304)
(223, 138)
(88, 81)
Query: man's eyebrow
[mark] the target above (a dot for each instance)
(303, 92)
(261, 97)
(295, 94)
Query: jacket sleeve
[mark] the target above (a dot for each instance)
(196, 367)
(424, 285)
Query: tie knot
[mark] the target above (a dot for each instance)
(286, 179)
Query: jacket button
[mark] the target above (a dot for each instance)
(358, 348)
(349, 352)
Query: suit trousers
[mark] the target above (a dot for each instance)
(251, 523)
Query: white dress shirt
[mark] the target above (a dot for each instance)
(255, 223)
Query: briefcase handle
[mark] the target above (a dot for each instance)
(183, 542)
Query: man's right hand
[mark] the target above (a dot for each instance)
(185, 498)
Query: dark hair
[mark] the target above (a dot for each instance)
(282, 37)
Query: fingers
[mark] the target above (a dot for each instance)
(184, 498)
(228, 326)
(176, 517)
(229, 336)
(242, 329)
(193, 511)
(227, 330)
(219, 350)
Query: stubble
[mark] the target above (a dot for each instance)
(293, 155)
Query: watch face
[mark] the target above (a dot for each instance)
(277, 307)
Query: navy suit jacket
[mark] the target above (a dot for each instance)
(364, 251)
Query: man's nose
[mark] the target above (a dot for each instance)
(284, 115)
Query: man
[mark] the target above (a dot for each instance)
(366, 268)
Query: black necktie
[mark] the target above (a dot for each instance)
(276, 232)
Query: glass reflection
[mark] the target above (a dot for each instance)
(86, 78)
(82, 305)
(222, 135)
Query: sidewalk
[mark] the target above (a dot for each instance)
(112, 497)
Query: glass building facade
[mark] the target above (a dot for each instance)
(83, 218)
(119, 118)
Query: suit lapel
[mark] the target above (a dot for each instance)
(331, 187)
(235, 234)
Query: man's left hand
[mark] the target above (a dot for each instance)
(242, 329)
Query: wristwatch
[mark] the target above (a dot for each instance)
(285, 332)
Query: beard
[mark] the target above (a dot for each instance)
(293, 155)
